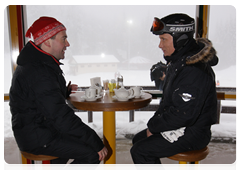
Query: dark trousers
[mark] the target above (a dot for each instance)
(85, 158)
(148, 150)
(68, 147)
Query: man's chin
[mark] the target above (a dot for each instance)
(62, 57)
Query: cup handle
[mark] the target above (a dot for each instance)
(131, 92)
(131, 89)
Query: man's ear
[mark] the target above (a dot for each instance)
(47, 43)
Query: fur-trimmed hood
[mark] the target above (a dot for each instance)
(206, 55)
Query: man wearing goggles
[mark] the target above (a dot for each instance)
(189, 104)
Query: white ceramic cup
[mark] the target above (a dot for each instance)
(98, 89)
(91, 93)
(137, 91)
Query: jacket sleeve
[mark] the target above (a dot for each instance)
(184, 106)
(51, 103)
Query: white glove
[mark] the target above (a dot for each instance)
(173, 135)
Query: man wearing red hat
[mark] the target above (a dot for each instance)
(42, 122)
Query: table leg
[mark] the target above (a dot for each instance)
(109, 136)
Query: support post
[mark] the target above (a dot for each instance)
(131, 115)
(109, 136)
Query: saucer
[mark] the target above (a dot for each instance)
(137, 97)
(90, 99)
(122, 99)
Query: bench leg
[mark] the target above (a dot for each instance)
(182, 165)
(46, 165)
(194, 165)
(26, 163)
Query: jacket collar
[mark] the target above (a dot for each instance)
(199, 50)
(32, 53)
(204, 55)
(45, 52)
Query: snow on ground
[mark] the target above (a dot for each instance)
(227, 77)
(226, 128)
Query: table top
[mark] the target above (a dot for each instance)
(107, 103)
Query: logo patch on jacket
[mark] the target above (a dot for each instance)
(186, 97)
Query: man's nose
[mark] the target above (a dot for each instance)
(67, 43)
(160, 45)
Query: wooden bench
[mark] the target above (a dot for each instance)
(31, 157)
(192, 157)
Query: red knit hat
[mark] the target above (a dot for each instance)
(44, 28)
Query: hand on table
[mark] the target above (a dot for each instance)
(102, 153)
(72, 87)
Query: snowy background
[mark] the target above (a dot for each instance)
(94, 30)
(124, 31)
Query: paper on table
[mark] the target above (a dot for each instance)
(96, 81)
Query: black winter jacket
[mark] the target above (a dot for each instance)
(38, 103)
(189, 94)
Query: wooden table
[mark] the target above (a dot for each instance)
(109, 105)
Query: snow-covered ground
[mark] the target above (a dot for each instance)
(226, 128)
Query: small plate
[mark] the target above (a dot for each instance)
(91, 99)
(142, 94)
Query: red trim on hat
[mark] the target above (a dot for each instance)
(45, 52)
(48, 32)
